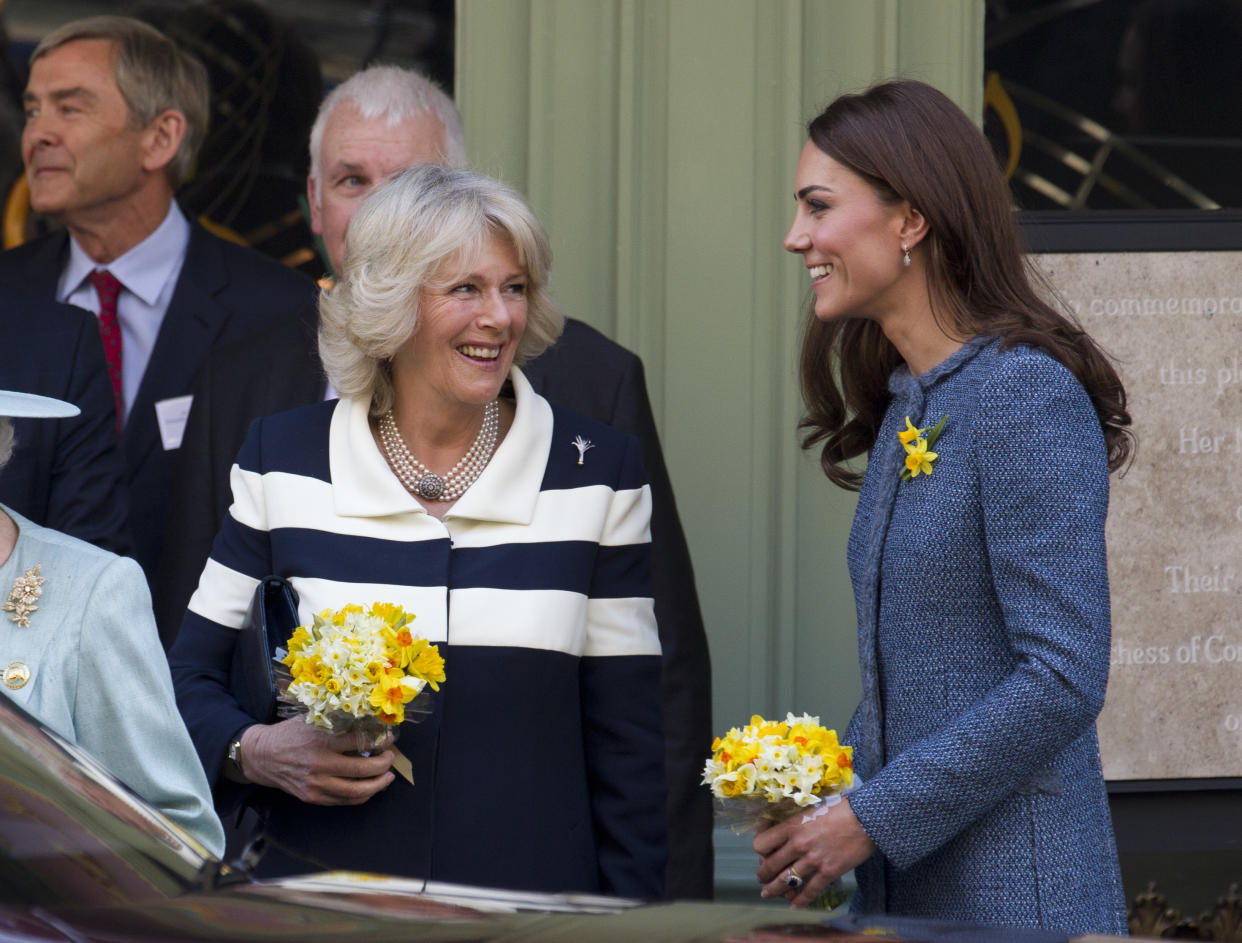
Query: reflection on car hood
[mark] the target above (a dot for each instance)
(83, 858)
(72, 833)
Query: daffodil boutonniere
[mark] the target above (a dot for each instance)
(917, 443)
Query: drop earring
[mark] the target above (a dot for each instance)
(905, 255)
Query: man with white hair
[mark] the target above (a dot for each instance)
(376, 123)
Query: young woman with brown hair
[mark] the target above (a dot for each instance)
(977, 554)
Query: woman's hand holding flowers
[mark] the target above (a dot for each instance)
(315, 766)
(819, 847)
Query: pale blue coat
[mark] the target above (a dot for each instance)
(98, 676)
(983, 629)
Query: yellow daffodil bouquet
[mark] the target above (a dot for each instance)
(359, 669)
(770, 769)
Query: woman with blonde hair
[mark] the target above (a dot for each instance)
(515, 532)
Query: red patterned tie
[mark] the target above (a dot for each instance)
(109, 289)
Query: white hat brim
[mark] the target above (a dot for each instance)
(32, 406)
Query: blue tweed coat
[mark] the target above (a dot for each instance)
(983, 629)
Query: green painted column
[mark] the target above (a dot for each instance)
(657, 141)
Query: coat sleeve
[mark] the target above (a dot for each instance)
(620, 690)
(202, 655)
(125, 713)
(1043, 485)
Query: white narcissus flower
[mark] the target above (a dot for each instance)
(808, 780)
(721, 784)
(711, 769)
(805, 720)
(336, 656)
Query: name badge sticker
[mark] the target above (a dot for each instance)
(171, 415)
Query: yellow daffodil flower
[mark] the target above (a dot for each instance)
(918, 459)
(299, 639)
(391, 613)
(909, 433)
(402, 644)
(765, 728)
(918, 444)
(391, 695)
(739, 782)
(428, 665)
(338, 617)
(315, 671)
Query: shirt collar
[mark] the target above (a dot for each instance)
(506, 492)
(144, 269)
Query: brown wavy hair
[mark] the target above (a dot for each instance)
(909, 142)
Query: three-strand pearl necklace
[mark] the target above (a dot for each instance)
(421, 480)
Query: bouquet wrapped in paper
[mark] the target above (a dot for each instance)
(771, 770)
(359, 669)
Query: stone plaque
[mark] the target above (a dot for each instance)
(1173, 323)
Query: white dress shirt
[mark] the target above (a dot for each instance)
(148, 275)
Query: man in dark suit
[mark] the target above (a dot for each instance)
(65, 473)
(114, 112)
(378, 122)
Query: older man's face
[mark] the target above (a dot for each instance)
(358, 153)
(83, 152)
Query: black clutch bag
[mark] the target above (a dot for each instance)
(270, 620)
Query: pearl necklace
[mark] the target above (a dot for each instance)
(421, 480)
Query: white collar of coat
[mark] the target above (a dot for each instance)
(506, 492)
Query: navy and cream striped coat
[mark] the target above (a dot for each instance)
(983, 631)
(541, 764)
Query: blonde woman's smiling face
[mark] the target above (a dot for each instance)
(850, 239)
(468, 330)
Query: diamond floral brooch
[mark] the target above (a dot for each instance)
(25, 593)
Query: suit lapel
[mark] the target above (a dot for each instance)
(191, 324)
